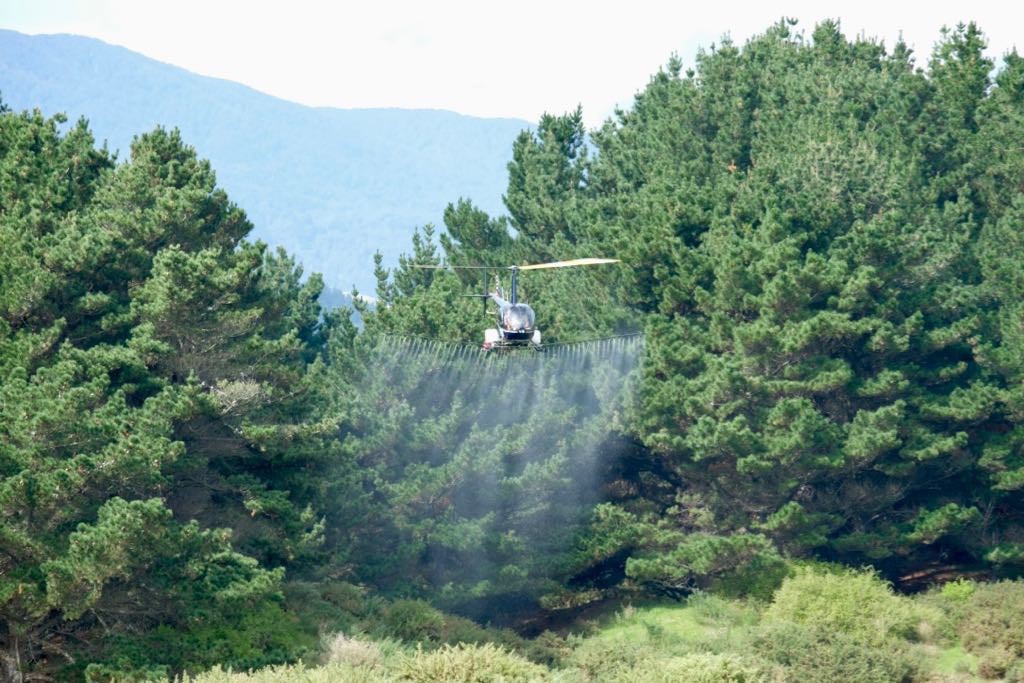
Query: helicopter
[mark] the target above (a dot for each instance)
(516, 323)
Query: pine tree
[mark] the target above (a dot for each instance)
(813, 362)
(154, 372)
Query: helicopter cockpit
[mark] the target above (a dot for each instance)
(517, 318)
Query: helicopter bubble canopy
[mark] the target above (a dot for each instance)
(517, 317)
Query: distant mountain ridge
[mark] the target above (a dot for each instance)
(330, 185)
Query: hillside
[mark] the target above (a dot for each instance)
(330, 185)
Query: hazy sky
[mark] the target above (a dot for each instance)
(514, 58)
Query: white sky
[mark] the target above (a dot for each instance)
(515, 58)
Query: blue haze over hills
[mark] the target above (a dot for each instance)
(330, 185)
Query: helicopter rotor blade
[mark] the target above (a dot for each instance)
(445, 266)
(571, 262)
(532, 266)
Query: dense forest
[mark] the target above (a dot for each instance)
(821, 243)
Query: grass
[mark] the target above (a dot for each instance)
(651, 623)
(704, 623)
(955, 661)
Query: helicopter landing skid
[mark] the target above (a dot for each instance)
(505, 347)
(494, 340)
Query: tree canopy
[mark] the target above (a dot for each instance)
(818, 237)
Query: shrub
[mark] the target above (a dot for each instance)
(959, 591)
(332, 673)
(993, 626)
(758, 579)
(993, 662)
(600, 659)
(413, 621)
(458, 629)
(548, 648)
(325, 606)
(260, 636)
(700, 667)
(814, 653)
(345, 596)
(943, 607)
(858, 604)
(352, 651)
(465, 663)
(121, 671)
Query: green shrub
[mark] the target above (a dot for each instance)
(757, 579)
(857, 604)
(121, 671)
(458, 629)
(464, 663)
(332, 673)
(548, 648)
(416, 621)
(993, 626)
(994, 662)
(959, 591)
(345, 596)
(325, 606)
(815, 653)
(260, 636)
(1015, 673)
(941, 615)
(413, 621)
(950, 600)
(603, 659)
(699, 667)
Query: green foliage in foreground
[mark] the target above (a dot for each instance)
(821, 625)
(993, 627)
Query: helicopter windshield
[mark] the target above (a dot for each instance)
(517, 317)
